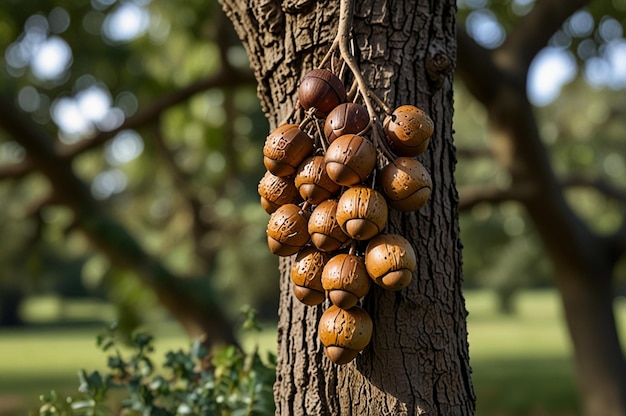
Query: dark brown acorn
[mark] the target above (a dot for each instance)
(287, 230)
(347, 118)
(362, 212)
(276, 191)
(322, 90)
(326, 234)
(406, 183)
(350, 159)
(345, 279)
(390, 261)
(344, 332)
(312, 181)
(306, 275)
(285, 148)
(408, 130)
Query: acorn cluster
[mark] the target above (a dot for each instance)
(328, 188)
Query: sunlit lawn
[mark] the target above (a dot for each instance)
(521, 362)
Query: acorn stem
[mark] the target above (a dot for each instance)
(380, 102)
(307, 118)
(351, 95)
(321, 136)
(329, 54)
(378, 137)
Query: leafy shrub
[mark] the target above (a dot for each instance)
(228, 381)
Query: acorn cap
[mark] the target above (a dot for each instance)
(307, 268)
(350, 159)
(326, 234)
(345, 279)
(287, 230)
(406, 184)
(322, 90)
(312, 181)
(362, 212)
(276, 191)
(347, 118)
(347, 328)
(285, 148)
(408, 130)
(390, 261)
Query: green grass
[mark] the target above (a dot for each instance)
(521, 363)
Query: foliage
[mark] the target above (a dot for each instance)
(227, 381)
(183, 183)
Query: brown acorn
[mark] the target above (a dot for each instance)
(322, 90)
(306, 275)
(406, 183)
(344, 332)
(312, 181)
(326, 234)
(287, 230)
(350, 159)
(362, 212)
(276, 191)
(345, 279)
(347, 118)
(390, 261)
(285, 148)
(408, 130)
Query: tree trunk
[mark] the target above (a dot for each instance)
(10, 301)
(582, 266)
(417, 362)
(583, 261)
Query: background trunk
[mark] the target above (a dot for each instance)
(417, 362)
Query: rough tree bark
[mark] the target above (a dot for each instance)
(417, 362)
(583, 261)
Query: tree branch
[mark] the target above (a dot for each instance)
(16, 170)
(476, 67)
(473, 152)
(227, 77)
(534, 30)
(598, 184)
(472, 195)
(191, 301)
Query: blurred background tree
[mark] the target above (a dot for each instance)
(131, 141)
(575, 203)
(105, 136)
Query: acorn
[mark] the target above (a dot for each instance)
(350, 159)
(287, 230)
(276, 191)
(347, 118)
(326, 234)
(285, 148)
(312, 181)
(345, 279)
(390, 261)
(408, 130)
(344, 332)
(406, 183)
(361, 212)
(322, 90)
(306, 275)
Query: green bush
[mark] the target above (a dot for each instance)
(228, 381)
